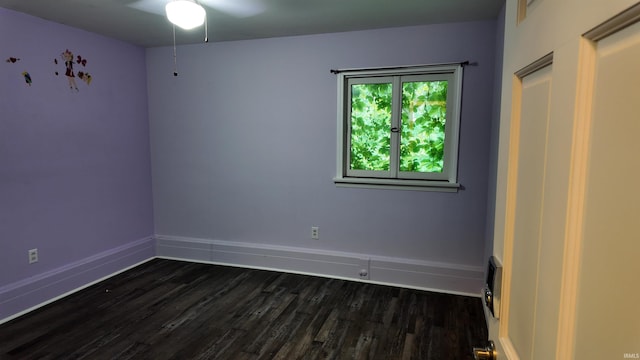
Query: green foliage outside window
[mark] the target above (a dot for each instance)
(371, 126)
(424, 114)
(424, 108)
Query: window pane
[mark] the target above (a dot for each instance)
(424, 114)
(370, 126)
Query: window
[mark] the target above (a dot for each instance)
(398, 128)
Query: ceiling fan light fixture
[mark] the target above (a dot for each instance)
(185, 13)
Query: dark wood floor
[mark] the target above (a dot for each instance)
(167, 309)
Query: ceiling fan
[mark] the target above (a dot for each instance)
(235, 8)
(195, 15)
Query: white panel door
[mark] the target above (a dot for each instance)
(608, 299)
(568, 198)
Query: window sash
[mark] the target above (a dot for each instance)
(393, 122)
(450, 128)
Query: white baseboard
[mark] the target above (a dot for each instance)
(424, 275)
(29, 294)
(434, 276)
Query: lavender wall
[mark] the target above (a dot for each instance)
(244, 145)
(74, 166)
(495, 134)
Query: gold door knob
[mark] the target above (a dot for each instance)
(486, 353)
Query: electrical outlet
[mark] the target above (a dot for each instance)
(315, 233)
(33, 256)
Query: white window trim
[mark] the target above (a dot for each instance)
(448, 183)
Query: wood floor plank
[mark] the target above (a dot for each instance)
(167, 309)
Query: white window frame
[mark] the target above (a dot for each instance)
(443, 181)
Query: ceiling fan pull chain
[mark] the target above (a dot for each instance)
(175, 56)
(206, 28)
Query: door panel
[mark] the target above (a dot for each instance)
(608, 315)
(532, 158)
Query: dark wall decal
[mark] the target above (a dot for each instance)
(27, 78)
(67, 56)
(85, 77)
(81, 61)
(69, 61)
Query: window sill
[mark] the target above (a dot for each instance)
(395, 184)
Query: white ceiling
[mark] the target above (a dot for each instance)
(120, 20)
